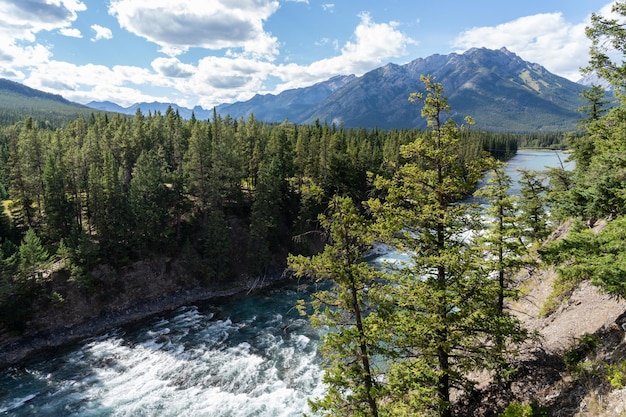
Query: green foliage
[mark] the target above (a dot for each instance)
(532, 206)
(586, 344)
(501, 146)
(216, 250)
(517, 409)
(616, 374)
(445, 321)
(540, 140)
(349, 308)
(47, 110)
(599, 257)
(503, 241)
(55, 199)
(32, 255)
(150, 199)
(597, 188)
(608, 40)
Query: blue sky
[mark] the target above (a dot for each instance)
(208, 52)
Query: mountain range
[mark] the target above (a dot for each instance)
(501, 92)
(497, 88)
(155, 106)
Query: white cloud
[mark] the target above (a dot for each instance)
(373, 44)
(21, 20)
(17, 58)
(220, 80)
(328, 41)
(83, 83)
(71, 32)
(235, 78)
(172, 67)
(214, 24)
(560, 46)
(328, 7)
(101, 33)
(243, 71)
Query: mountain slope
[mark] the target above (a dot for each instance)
(497, 88)
(18, 101)
(290, 104)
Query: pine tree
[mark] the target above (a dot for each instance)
(347, 308)
(150, 199)
(532, 205)
(32, 255)
(57, 208)
(198, 165)
(608, 40)
(502, 239)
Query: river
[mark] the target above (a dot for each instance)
(249, 356)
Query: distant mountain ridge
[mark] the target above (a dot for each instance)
(289, 104)
(267, 107)
(154, 107)
(497, 88)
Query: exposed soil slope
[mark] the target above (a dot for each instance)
(542, 376)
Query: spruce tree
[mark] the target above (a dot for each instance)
(348, 307)
(502, 240)
(532, 205)
(32, 255)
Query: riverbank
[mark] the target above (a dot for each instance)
(158, 286)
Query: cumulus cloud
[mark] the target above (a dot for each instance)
(560, 46)
(21, 20)
(82, 83)
(220, 24)
(172, 67)
(71, 32)
(328, 7)
(235, 77)
(372, 45)
(101, 33)
(224, 79)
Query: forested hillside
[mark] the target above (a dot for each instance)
(18, 101)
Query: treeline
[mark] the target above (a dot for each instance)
(47, 114)
(547, 140)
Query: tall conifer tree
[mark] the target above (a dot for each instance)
(348, 307)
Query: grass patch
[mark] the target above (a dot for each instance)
(562, 289)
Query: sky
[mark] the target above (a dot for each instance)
(210, 52)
